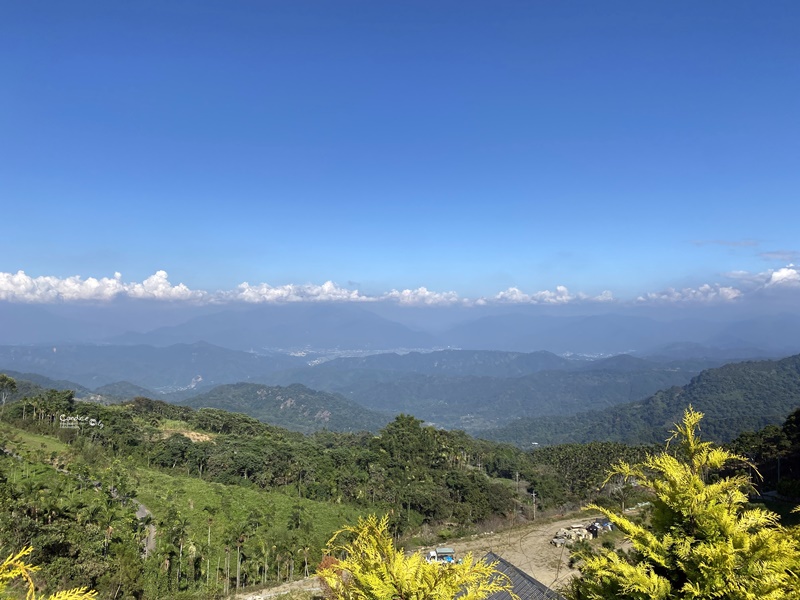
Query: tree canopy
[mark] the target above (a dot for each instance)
(8, 385)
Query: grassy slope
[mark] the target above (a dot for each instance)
(197, 500)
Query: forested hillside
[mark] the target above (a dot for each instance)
(735, 397)
(442, 392)
(154, 500)
(469, 390)
(294, 407)
(233, 501)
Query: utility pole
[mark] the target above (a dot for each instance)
(533, 495)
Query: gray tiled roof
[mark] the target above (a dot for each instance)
(525, 586)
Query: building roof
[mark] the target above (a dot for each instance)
(525, 586)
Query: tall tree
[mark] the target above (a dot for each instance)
(8, 386)
(702, 542)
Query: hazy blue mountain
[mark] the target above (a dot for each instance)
(291, 327)
(295, 407)
(593, 334)
(683, 351)
(88, 322)
(377, 326)
(515, 332)
(38, 324)
(774, 332)
(166, 369)
(124, 390)
(735, 397)
(452, 362)
(620, 362)
(46, 383)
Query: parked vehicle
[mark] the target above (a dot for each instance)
(442, 555)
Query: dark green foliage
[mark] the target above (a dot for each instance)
(209, 478)
(583, 467)
(77, 530)
(294, 407)
(474, 402)
(235, 499)
(776, 453)
(735, 398)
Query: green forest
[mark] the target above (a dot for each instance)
(147, 499)
(736, 397)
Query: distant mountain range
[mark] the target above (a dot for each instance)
(290, 327)
(451, 388)
(504, 396)
(351, 327)
(163, 370)
(373, 327)
(476, 389)
(736, 397)
(476, 370)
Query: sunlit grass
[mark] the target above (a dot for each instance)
(21, 441)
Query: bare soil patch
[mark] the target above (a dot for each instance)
(528, 548)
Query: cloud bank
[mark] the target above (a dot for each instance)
(561, 296)
(19, 287)
(22, 288)
(705, 293)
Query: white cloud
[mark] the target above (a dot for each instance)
(604, 296)
(422, 296)
(20, 287)
(704, 293)
(748, 284)
(158, 287)
(787, 276)
(561, 295)
(263, 292)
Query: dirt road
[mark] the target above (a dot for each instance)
(528, 547)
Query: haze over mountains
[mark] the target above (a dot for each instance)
(351, 366)
(379, 327)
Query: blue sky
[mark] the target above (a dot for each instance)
(420, 152)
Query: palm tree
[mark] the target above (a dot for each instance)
(180, 531)
(239, 533)
(210, 511)
(107, 515)
(264, 546)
